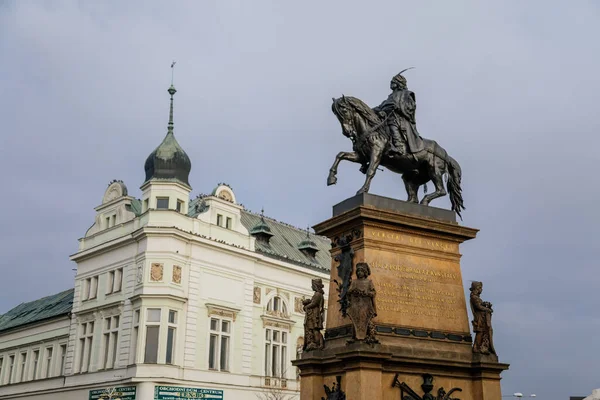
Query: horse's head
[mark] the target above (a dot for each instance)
(345, 114)
(356, 117)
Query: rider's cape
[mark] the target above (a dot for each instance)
(404, 105)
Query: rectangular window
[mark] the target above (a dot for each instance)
(162, 203)
(63, 354)
(110, 281)
(118, 281)
(276, 353)
(154, 315)
(220, 335)
(93, 287)
(171, 335)
(151, 354)
(49, 362)
(134, 338)
(86, 337)
(172, 316)
(86, 289)
(110, 342)
(114, 220)
(1, 369)
(146, 202)
(228, 223)
(152, 335)
(11, 367)
(219, 220)
(107, 222)
(170, 343)
(179, 206)
(36, 359)
(22, 376)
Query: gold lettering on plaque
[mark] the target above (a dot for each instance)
(417, 292)
(415, 241)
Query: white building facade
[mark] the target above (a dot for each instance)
(174, 297)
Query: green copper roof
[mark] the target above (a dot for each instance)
(38, 310)
(261, 227)
(136, 207)
(285, 242)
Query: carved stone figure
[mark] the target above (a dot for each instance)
(344, 271)
(335, 393)
(256, 295)
(361, 305)
(313, 318)
(482, 321)
(407, 393)
(387, 136)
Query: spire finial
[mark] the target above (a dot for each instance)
(172, 71)
(172, 92)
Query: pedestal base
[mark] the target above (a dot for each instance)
(369, 372)
(422, 323)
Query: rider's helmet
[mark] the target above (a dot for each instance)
(399, 80)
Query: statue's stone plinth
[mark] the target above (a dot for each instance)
(421, 324)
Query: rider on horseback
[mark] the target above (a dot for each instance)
(399, 113)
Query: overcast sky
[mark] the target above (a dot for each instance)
(510, 89)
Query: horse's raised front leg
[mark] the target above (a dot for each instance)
(376, 154)
(343, 155)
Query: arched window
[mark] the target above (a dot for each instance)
(276, 306)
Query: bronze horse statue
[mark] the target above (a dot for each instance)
(371, 144)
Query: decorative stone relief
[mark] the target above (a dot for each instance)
(176, 274)
(269, 291)
(285, 294)
(407, 393)
(222, 311)
(140, 273)
(362, 307)
(344, 271)
(335, 393)
(257, 293)
(156, 272)
(299, 305)
(276, 324)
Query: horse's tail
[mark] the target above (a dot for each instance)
(454, 189)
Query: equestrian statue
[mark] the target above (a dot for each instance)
(387, 135)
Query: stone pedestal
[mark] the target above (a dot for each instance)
(422, 323)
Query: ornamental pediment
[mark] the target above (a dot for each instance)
(277, 321)
(222, 311)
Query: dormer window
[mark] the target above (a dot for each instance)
(162, 203)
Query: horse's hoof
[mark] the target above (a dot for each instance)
(332, 180)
